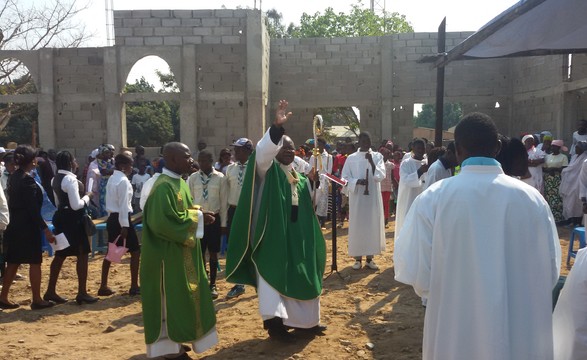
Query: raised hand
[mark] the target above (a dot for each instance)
(281, 115)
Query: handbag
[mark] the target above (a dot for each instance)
(89, 226)
(115, 252)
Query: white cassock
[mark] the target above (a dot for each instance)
(569, 320)
(410, 186)
(483, 248)
(366, 223)
(300, 165)
(295, 313)
(436, 172)
(536, 171)
(324, 166)
(569, 188)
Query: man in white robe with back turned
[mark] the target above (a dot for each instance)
(411, 181)
(365, 169)
(483, 248)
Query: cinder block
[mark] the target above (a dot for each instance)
(332, 48)
(318, 62)
(163, 31)
(117, 22)
(143, 31)
(182, 31)
(153, 40)
(212, 39)
(230, 22)
(122, 31)
(414, 43)
(160, 13)
(141, 13)
(192, 39)
(119, 40)
(202, 13)
(171, 22)
(224, 13)
(131, 23)
(172, 40)
(308, 55)
(202, 31)
(182, 14)
(210, 22)
(79, 60)
(338, 41)
(151, 22)
(134, 41)
(191, 22)
(121, 14)
(231, 39)
(222, 31)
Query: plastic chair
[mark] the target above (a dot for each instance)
(98, 244)
(580, 232)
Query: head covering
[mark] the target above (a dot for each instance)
(2, 150)
(547, 137)
(94, 154)
(526, 137)
(560, 144)
(104, 148)
(546, 133)
(582, 145)
(244, 142)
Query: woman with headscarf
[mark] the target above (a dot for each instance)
(553, 165)
(569, 188)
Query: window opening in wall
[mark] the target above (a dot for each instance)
(18, 116)
(149, 121)
(425, 117)
(340, 122)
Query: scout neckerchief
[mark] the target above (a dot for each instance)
(205, 183)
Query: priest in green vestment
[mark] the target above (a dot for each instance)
(177, 303)
(275, 239)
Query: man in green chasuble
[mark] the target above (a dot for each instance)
(177, 303)
(275, 239)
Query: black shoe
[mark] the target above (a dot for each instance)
(40, 306)
(277, 330)
(55, 298)
(8, 306)
(105, 292)
(85, 299)
(134, 291)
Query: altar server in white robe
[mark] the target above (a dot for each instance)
(484, 249)
(321, 165)
(569, 319)
(411, 181)
(363, 170)
(443, 167)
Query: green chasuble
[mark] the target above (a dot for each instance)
(172, 267)
(290, 255)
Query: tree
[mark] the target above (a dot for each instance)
(275, 26)
(359, 22)
(26, 25)
(169, 84)
(149, 122)
(452, 113)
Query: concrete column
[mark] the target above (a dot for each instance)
(188, 122)
(115, 119)
(257, 75)
(46, 103)
(386, 88)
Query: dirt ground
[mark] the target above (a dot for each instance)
(368, 314)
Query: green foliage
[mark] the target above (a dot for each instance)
(148, 123)
(16, 120)
(452, 113)
(359, 22)
(273, 22)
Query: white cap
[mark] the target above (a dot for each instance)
(94, 153)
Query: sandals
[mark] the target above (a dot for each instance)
(55, 298)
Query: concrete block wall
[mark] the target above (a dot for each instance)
(179, 27)
(79, 99)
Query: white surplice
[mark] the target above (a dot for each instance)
(536, 171)
(483, 248)
(569, 188)
(410, 186)
(366, 223)
(295, 313)
(569, 320)
(323, 164)
(436, 172)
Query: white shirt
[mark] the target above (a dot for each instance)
(139, 181)
(70, 186)
(235, 174)
(324, 163)
(436, 172)
(119, 197)
(300, 165)
(148, 185)
(483, 248)
(217, 194)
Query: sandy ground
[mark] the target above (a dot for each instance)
(360, 307)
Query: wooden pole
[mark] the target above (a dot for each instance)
(440, 85)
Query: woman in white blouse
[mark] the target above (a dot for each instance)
(553, 165)
(68, 219)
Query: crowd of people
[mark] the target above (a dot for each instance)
(463, 256)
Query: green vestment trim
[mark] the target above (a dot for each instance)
(289, 255)
(172, 267)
